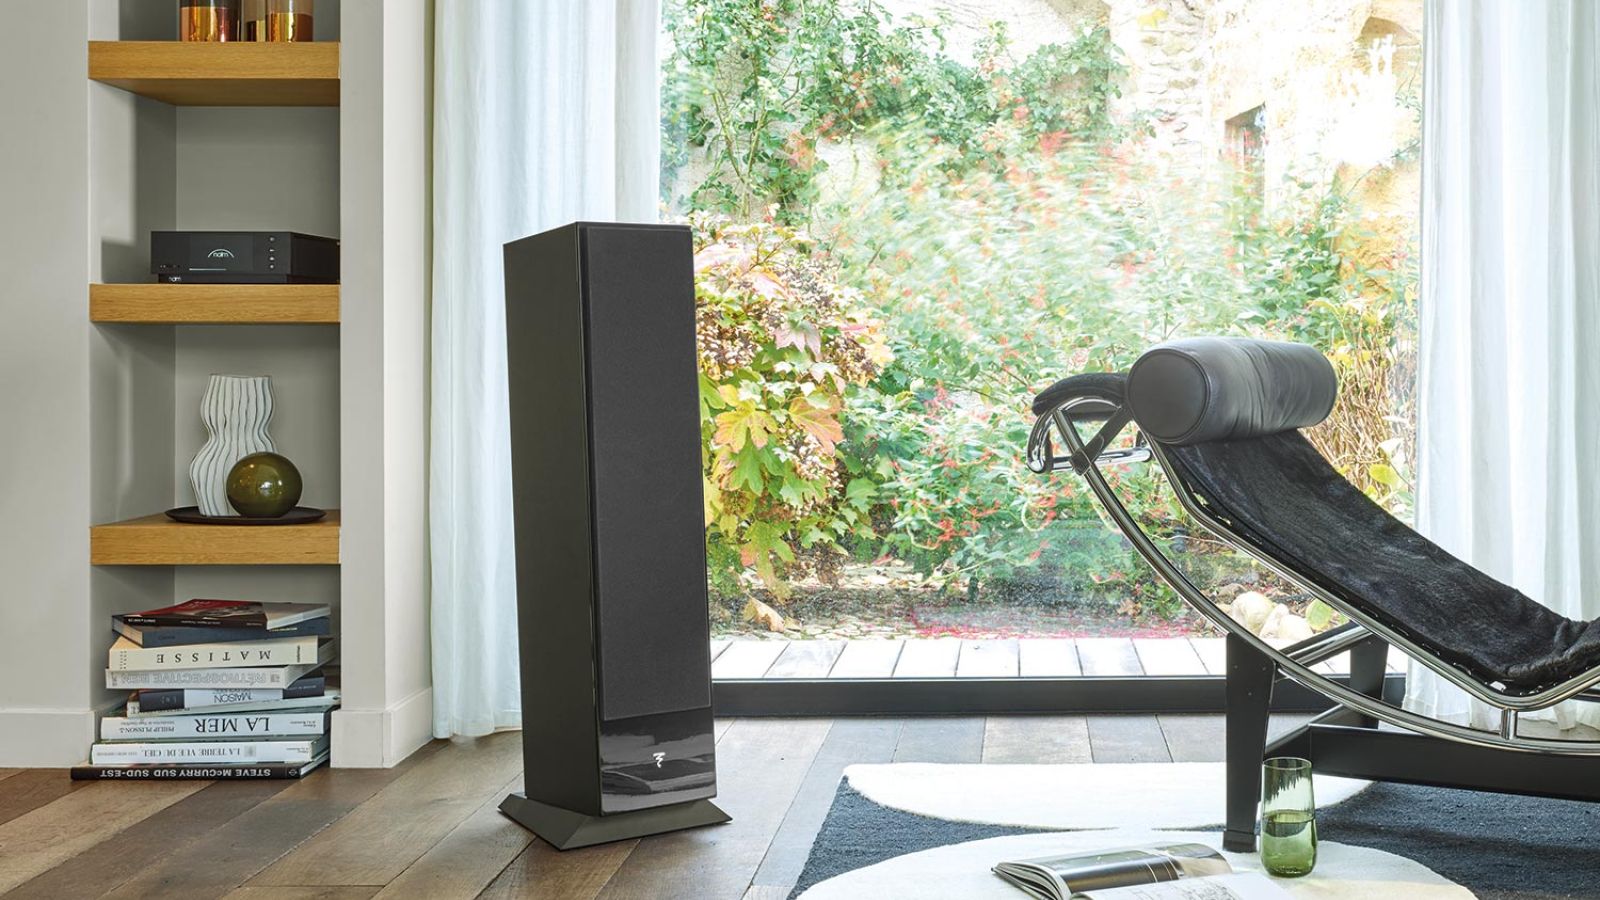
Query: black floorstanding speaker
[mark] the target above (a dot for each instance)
(617, 738)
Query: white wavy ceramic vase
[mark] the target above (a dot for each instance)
(236, 410)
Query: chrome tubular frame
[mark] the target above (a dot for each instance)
(1293, 661)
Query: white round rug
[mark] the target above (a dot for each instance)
(1068, 796)
(961, 871)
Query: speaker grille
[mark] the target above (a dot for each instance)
(644, 420)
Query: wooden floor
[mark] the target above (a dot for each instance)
(960, 658)
(429, 828)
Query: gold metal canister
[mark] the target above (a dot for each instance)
(253, 20)
(289, 20)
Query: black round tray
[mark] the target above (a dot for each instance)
(300, 515)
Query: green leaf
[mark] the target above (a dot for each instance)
(859, 492)
(793, 491)
(710, 398)
(1320, 615)
(1384, 475)
(747, 471)
(775, 467)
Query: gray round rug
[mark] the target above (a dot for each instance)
(1501, 847)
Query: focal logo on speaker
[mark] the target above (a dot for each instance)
(659, 758)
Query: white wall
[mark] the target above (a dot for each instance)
(385, 73)
(44, 384)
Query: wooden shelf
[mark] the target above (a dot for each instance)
(221, 74)
(241, 304)
(158, 541)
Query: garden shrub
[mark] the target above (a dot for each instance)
(781, 344)
(991, 286)
(866, 380)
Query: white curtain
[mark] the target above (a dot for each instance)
(545, 111)
(1510, 375)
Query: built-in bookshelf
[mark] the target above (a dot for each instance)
(226, 136)
(131, 132)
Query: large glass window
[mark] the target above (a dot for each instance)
(911, 216)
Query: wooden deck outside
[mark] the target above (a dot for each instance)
(745, 658)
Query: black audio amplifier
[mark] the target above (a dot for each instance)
(243, 257)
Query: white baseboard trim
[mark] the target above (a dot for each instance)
(410, 725)
(379, 738)
(45, 738)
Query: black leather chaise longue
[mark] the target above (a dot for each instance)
(1222, 418)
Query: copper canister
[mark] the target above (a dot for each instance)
(208, 20)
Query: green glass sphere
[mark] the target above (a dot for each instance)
(263, 485)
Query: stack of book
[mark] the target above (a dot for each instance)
(217, 689)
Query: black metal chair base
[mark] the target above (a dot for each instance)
(567, 830)
(1346, 743)
(1384, 754)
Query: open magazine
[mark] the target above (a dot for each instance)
(1156, 872)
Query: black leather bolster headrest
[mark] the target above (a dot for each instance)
(1209, 389)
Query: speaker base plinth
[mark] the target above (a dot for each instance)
(566, 830)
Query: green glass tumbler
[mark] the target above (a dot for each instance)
(1288, 818)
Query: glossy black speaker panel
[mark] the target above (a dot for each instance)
(654, 760)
